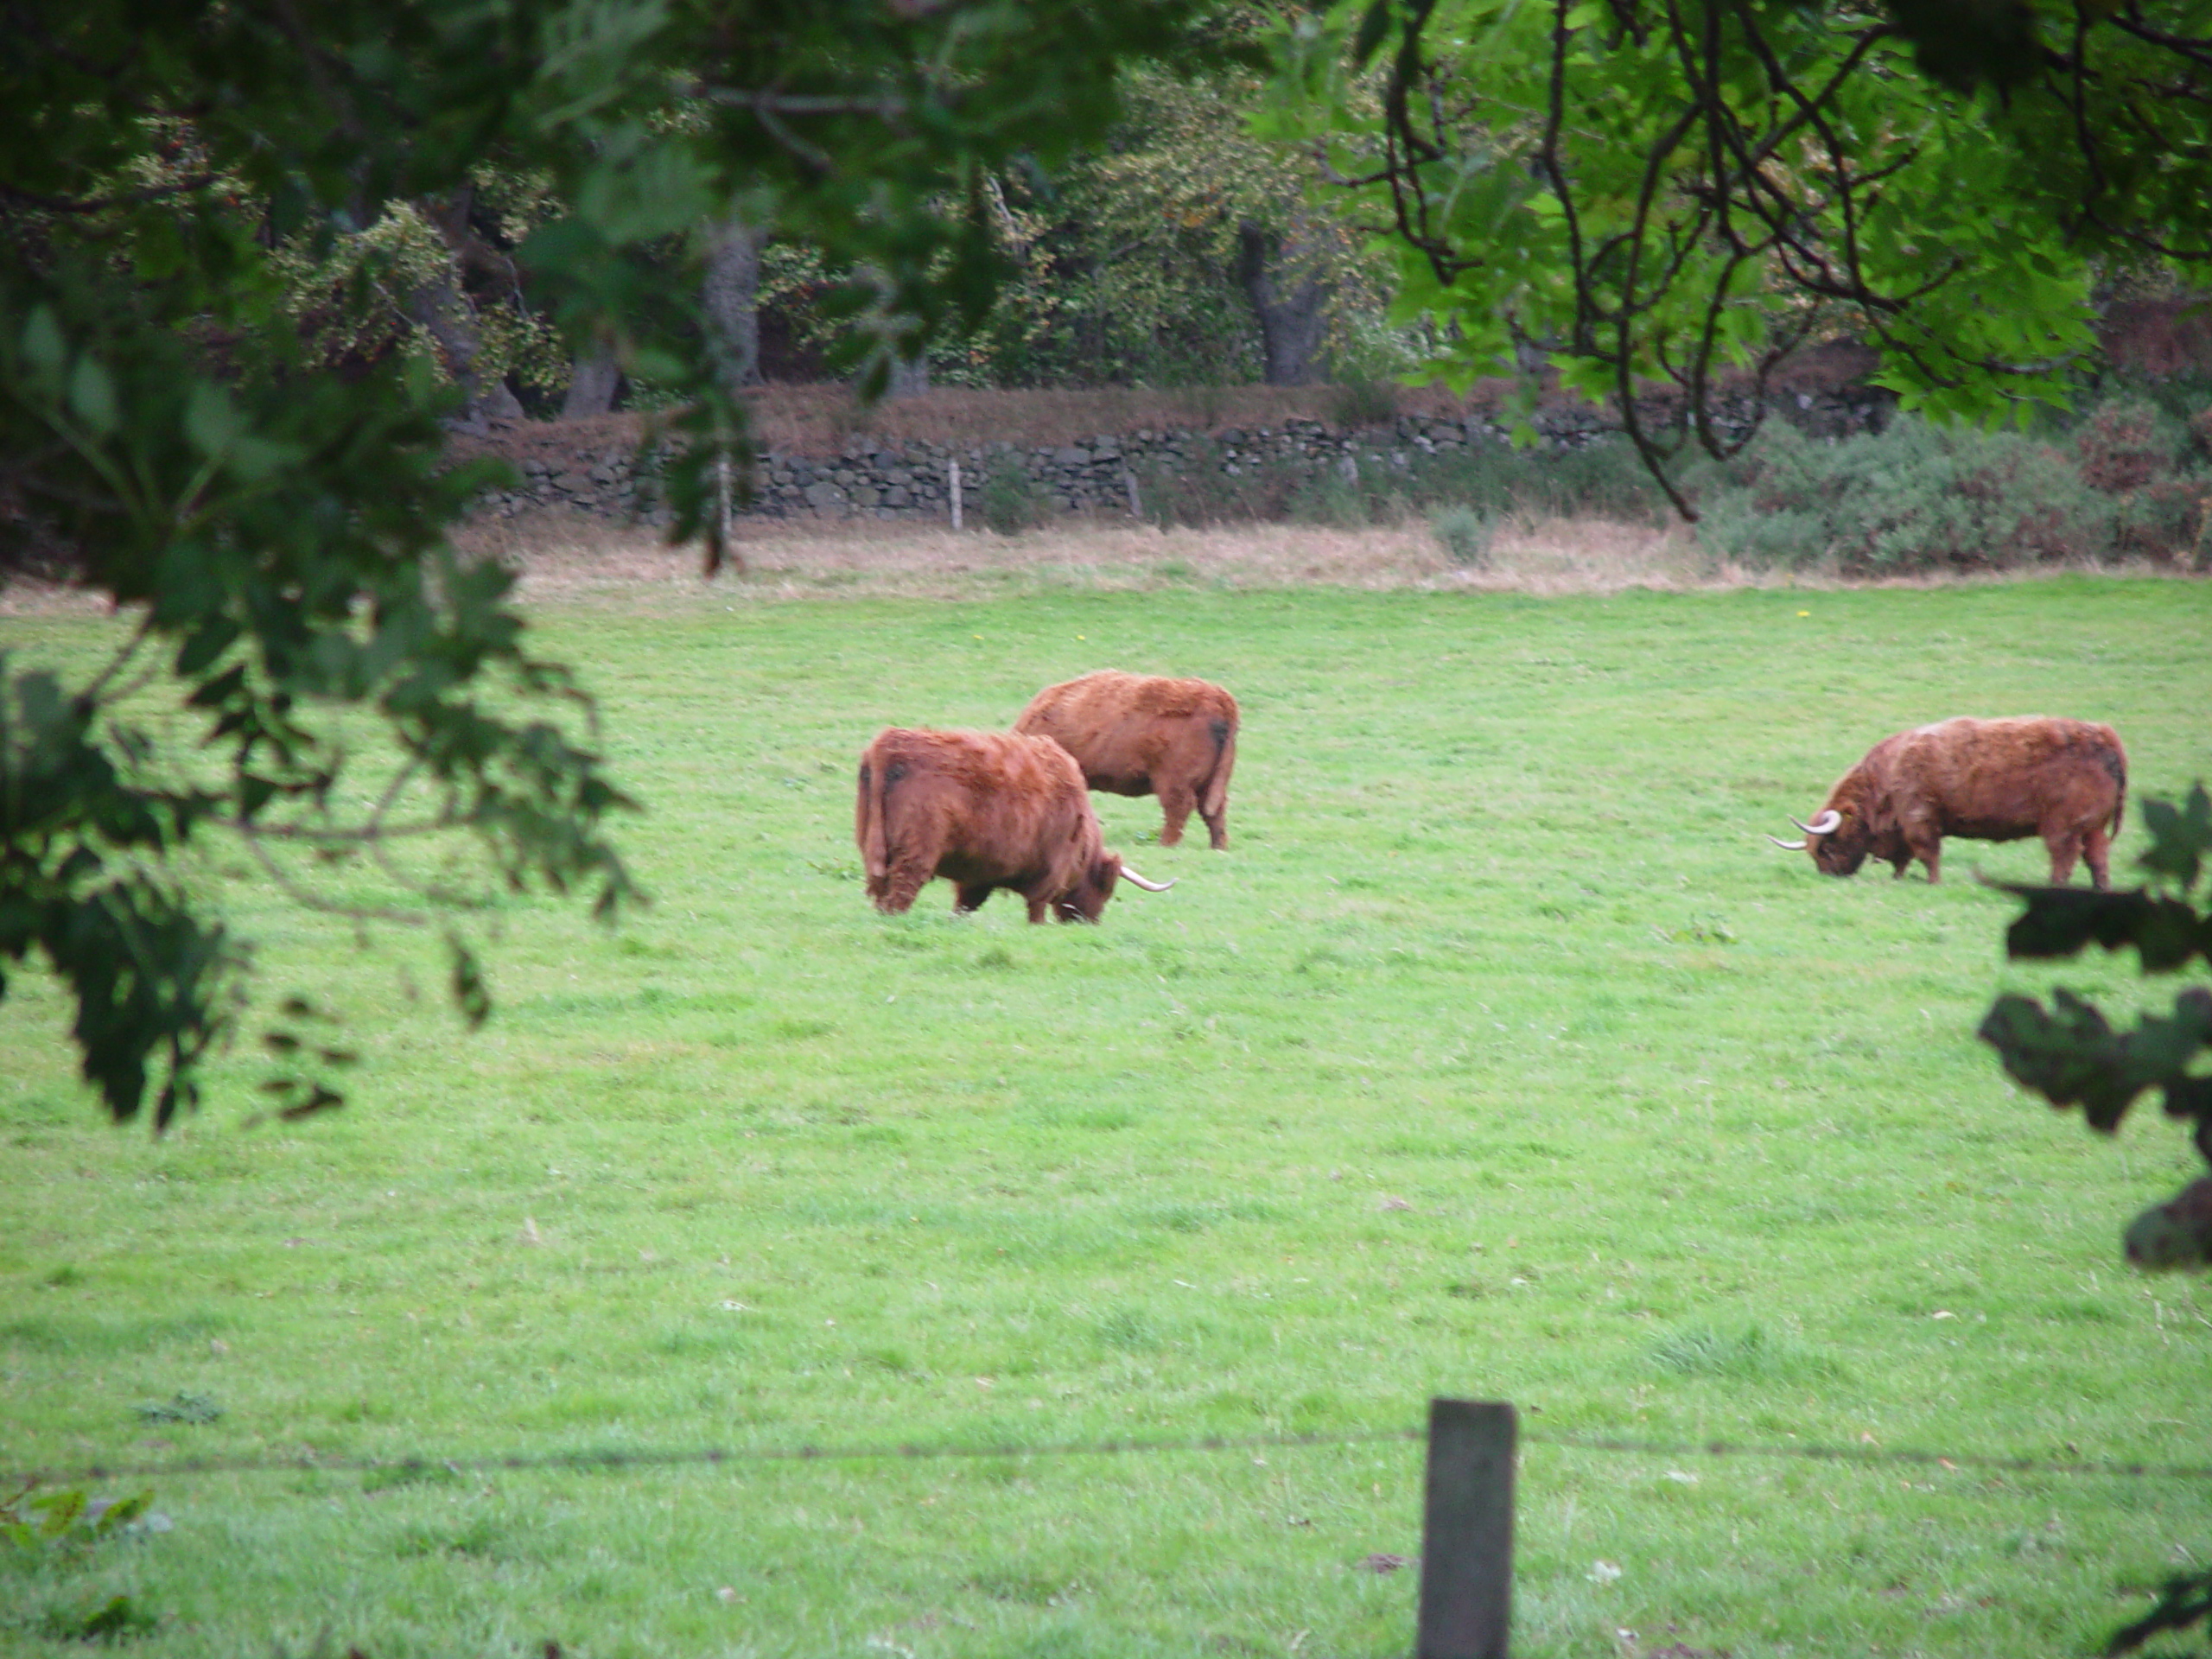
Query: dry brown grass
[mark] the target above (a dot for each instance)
(22, 596)
(566, 557)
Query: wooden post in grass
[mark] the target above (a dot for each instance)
(952, 477)
(1467, 1556)
(1136, 507)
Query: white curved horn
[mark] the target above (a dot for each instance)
(1129, 874)
(1787, 846)
(1823, 825)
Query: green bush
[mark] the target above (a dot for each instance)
(1009, 500)
(1199, 493)
(2149, 461)
(1914, 498)
(1371, 487)
(1332, 500)
(1601, 479)
(1359, 400)
(1466, 535)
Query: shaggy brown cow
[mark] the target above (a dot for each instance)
(1135, 735)
(984, 809)
(2064, 780)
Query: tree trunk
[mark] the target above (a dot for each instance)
(730, 297)
(594, 380)
(444, 313)
(442, 308)
(1290, 306)
(910, 375)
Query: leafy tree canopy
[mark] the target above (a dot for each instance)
(277, 533)
(1659, 192)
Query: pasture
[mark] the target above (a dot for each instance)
(1500, 1056)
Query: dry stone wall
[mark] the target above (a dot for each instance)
(911, 479)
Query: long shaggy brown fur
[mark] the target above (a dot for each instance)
(1135, 735)
(2064, 780)
(985, 811)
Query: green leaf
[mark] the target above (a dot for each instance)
(59, 1511)
(2072, 1056)
(92, 395)
(123, 1512)
(470, 993)
(44, 349)
(2180, 837)
(204, 644)
(212, 423)
(1372, 27)
(2061, 921)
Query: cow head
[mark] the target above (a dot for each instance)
(1844, 833)
(1086, 900)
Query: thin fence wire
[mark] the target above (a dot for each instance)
(664, 1458)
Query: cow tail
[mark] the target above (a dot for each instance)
(875, 848)
(2120, 800)
(1215, 796)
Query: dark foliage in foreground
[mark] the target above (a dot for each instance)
(2073, 1056)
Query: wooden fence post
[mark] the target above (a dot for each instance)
(1466, 1557)
(952, 489)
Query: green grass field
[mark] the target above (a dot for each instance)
(1500, 1056)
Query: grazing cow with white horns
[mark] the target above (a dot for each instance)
(985, 811)
(2064, 780)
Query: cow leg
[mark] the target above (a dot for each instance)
(1932, 856)
(2064, 850)
(1176, 803)
(1216, 827)
(966, 898)
(2096, 848)
(1039, 907)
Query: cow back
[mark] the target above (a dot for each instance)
(2012, 776)
(980, 806)
(1123, 729)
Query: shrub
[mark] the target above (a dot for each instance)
(1466, 535)
(1199, 493)
(1601, 479)
(1009, 500)
(1913, 498)
(2144, 457)
(1332, 500)
(2126, 443)
(1359, 400)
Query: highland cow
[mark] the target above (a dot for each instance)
(985, 811)
(2064, 780)
(1133, 734)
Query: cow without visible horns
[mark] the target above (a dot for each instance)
(1134, 734)
(984, 809)
(2064, 780)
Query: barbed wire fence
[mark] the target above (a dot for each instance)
(590, 1459)
(1473, 1451)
